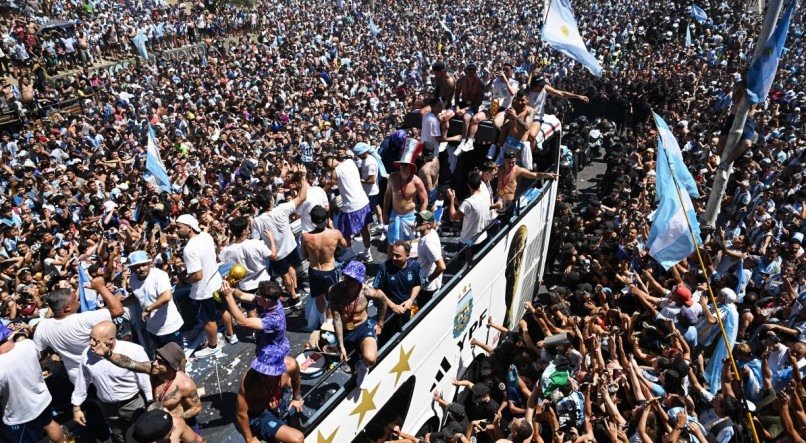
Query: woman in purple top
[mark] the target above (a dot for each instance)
(272, 343)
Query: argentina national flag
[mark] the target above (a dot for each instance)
(670, 238)
(561, 33)
(154, 163)
(762, 72)
(698, 14)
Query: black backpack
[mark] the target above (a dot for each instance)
(738, 434)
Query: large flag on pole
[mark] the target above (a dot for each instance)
(87, 298)
(674, 226)
(669, 154)
(762, 72)
(698, 14)
(561, 33)
(154, 163)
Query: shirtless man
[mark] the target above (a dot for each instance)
(320, 246)
(429, 173)
(259, 396)
(170, 385)
(468, 96)
(444, 82)
(404, 186)
(509, 174)
(158, 426)
(348, 301)
(515, 130)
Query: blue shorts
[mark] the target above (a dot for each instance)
(321, 281)
(266, 425)
(162, 340)
(27, 432)
(207, 310)
(280, 267)
(353, 339)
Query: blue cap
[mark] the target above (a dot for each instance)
(361, 148)
(356, 270)
(5, 332)
(138, 258)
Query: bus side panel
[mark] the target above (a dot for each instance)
(438, 348)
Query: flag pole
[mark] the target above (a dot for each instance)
(722, 175)
(724, 334)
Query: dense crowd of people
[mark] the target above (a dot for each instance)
(298, 119)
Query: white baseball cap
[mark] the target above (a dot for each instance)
(187, 219)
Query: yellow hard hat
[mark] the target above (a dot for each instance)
(237, 273)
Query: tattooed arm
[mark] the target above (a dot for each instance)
(190, 401)
(127, 363)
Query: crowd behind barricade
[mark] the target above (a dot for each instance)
(298, 121)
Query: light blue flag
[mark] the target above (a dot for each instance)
(698, 14)
(139, 41)
(670, 238)
(762, 71)
(561, 33)
(669, 154)
(372, 28)
(87, 298)
(448, 30)
(688, 36)
(154, 163)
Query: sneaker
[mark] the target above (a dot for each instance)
(467, 146)
(232, 339)
(292, 302)
(208, 351)
(378, 229)
(366, 256)
(491, 152)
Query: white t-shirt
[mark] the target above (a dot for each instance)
(166, 319)
(537, 100)
(430, 129)
(500, 91)
(199, 255)
(277, 221)
(22, 388)
(368, 168)
(429, 251)
(254, 255)
(69, 336)
(316, 197)
(351, 190)
(476, 209)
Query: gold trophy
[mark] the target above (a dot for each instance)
(237, 273)
(494, 105)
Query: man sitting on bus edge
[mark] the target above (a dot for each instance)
(349, 299)
(399, 278)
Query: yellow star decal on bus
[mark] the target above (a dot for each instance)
(366, 404)
(321, 438)
(402, 364)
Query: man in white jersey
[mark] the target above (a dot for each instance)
(24, 393)
(203, 276)
(355, 209)
(539, 89)
(68, 331)
(276, 220)
(253, 254)
(152, 287)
